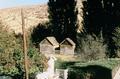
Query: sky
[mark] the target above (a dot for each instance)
(15, 3)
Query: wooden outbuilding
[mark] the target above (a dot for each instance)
(48, 45)
(67, 46)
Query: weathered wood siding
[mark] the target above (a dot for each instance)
(66, 49)
(47, 49)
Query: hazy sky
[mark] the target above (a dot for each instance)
(14, 3)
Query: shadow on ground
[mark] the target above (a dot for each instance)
(90, 72)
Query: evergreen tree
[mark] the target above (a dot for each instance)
(102, 15)
(63, 16)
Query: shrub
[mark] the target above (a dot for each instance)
(8, 45)
(37, 61)
(39, 33)
(12, 57)
(116, 39)
(91, 47)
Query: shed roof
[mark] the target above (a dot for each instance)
(68, 40)
(52, 41)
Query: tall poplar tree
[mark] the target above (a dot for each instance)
(63, 16)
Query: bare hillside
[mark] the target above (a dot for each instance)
(11, 17)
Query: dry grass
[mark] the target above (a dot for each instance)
(67, 57)
(11, 17)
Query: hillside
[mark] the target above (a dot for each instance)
(11, 17)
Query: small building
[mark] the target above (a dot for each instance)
(48, 45)
(67, 46)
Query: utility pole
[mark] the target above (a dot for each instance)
(24, 45)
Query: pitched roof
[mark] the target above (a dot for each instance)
(53, 41)
(68, 40)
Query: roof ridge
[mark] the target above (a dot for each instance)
(69, 40)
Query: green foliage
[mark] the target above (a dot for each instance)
(12, 57)
(39, 33)
(99, 16)
(11, 70)
(17, 55)
(91, 69)
(8, 45)
(37, 61)
(108, 63)
(63, 16)
(91, 47)
(116, 39)
(98, 69)
(60, 64)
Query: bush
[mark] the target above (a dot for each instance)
(91, 47)
(116, 39)
(8, 45)
(12, 57)
(39, 33)
(37, 61)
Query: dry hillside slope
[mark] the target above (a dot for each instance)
(11, 17)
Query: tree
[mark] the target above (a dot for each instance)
(102, 15)
(63, 16)
(116, 39)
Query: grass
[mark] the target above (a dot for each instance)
(108, 63)
(65, 62)
(98, 69)
(70, 60)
